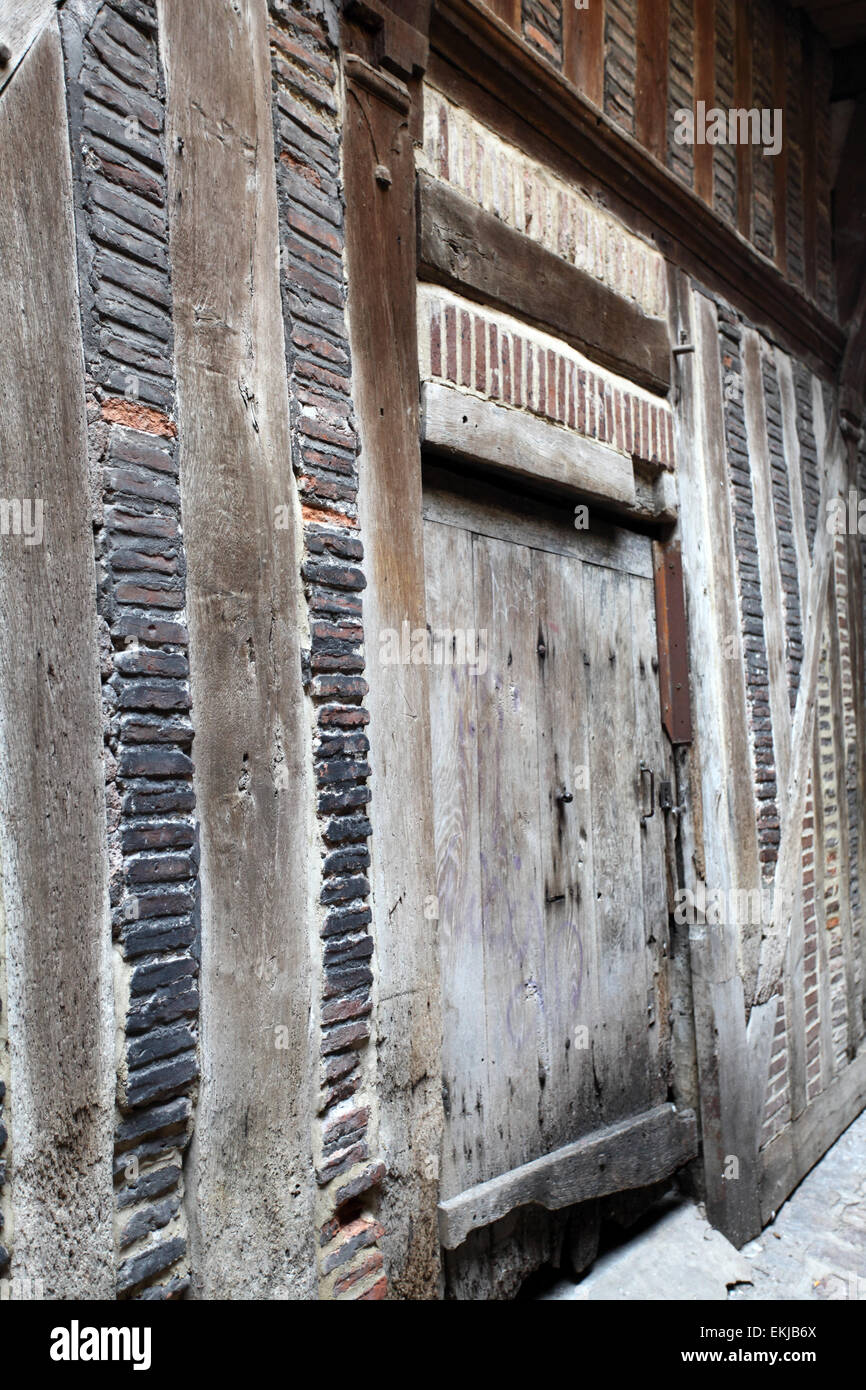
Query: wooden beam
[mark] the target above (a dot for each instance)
(780, 162)
(705, 91)
(743, 101)
(810, 166)
(466, 248)
(672, 642)
(523, 445)
(632, 1153)
(583, 48)
(788, 1157)
(720, 962)
(651, 78)
(481, 64)
(381, 251)
(243, 592)
(60, 1013)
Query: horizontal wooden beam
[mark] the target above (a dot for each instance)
(788, 1157)
(463, 246)
(470, 49)
(524, 446)
(630, 1154)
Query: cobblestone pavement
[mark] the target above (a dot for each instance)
(816, 1247)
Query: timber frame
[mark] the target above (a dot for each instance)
(479, 60)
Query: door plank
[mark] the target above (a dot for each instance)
(570, 1106)
(651, 747)
(454, 733)
(510, 879)
(619, 1056)
(486, 510)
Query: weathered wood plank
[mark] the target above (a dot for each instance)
(652, 748)
(571, 960)
(651, 77)
(743, 101)
(729, 840)
(454, 738)
(622, 1156)
(52, 792)
(780, 162)
(583, 49)
(511, 885)
(381, 269)
(467, 248)
(252, 1234)
(705, 91)
(459, 500)
(21, 23)
(523, 445)
(620, 1056)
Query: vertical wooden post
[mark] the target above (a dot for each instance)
(249, 1182)
(381, 112)
(705, 91)
(52, 789)
(743, 101)
(583, 48)
(810, 171)
(780, 161)
(651, 81)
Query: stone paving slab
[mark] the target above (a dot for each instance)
(814, 1249)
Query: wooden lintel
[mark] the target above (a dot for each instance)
(467, 248)
(523, 445)
(630, 1154)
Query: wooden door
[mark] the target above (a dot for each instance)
(550, 871)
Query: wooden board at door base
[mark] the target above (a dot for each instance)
(552, 902)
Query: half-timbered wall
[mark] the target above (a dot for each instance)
(271, 255)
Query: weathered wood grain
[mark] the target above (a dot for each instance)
(381, 271)
(454, 735)
(626, 1155)
(653, 750)
(723, 771)
(567, 1105)
(511, 886)
(563, 966)
(469, 249)
(52, 799)
(620, 1055)
(489, 510)
(21, 23)
(250, 1174)
(583, 49)
(651, 76)
(523, 446)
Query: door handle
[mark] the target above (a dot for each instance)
(648, 815)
